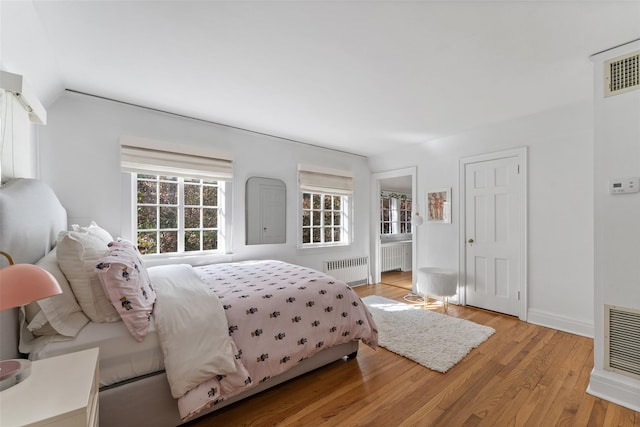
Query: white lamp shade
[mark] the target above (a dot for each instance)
(417, 220)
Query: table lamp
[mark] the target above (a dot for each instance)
(21, 284)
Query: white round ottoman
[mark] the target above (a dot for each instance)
(438, 281)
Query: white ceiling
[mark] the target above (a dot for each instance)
(359, 76)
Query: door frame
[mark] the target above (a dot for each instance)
(521, 154)
(375, 215)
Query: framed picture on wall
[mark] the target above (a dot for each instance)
(439, 206)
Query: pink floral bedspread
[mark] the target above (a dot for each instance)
(278, 314)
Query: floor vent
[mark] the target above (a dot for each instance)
(622, 74)
(622, 340)
(353, 271)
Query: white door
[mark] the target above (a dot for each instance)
(493, 228)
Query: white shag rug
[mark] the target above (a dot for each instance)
(430, 339)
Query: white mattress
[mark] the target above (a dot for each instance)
(121, 356)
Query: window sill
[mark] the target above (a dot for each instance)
(191, 259)
(323, 246)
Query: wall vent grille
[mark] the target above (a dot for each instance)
(622, 340)
(622, 74)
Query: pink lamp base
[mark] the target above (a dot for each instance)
(13, 371)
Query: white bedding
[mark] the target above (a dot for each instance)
(192, 328)
(121, 356)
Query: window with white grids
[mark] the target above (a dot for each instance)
(324, 218)
(176, 214)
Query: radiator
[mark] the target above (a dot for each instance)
(391, 257)
(353, 271)
(622, 340)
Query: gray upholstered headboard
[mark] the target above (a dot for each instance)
(31, 216)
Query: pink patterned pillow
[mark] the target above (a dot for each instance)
(126, 283)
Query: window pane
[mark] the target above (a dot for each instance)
(192, 217)
(168, 193)
(210, 218)
(147, 242)
(147, 217)
(306, 218)
(168, 178)
(336, 218)
(196, 180)
(306, 235)
(306, 201)
(328, 235)
(168, 241)
(210, 196)
(337, 203)
(385, 203)
(209, 240)
(147, 192)
(327, 218)
(385, 228)
(316, 217)
(316, 201)
(316, 235)
(192, 194)
(337, 235)
(327, 202)
(191, 241)
(168, 217)
(145, 176)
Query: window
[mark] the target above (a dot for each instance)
(395, 213)
(325, 206)
(179, 196)
(324, 218)
(175, 214)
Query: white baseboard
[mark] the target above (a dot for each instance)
(566, 324)
(615, 388)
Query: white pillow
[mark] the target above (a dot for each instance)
(78, 254)
(95, 230)
(59, 314)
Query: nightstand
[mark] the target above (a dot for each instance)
(61, 391)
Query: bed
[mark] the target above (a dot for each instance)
(192, 339)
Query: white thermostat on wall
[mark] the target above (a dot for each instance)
(624, 185)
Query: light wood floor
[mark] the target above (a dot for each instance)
(524, 375)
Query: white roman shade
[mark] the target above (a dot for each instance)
(139, 155)
(325, 181)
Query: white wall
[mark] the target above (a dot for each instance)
(560, 242)
(617, 223)
(80, 159)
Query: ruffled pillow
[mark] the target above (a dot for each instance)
(59, 314)
(78, 253)
(126, 283)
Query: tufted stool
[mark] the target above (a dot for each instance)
(437, 281)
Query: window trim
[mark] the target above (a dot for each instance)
(225, 241)
(347, 215)
(395, 213)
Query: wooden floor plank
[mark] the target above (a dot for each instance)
(522, 375)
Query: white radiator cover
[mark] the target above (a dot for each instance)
(353, 271)
(622, 340)
(391, 257)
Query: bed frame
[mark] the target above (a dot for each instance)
(30, 218)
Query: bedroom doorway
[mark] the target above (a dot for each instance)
(394, 242)
(493, 203)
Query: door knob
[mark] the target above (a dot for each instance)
(470, 241)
